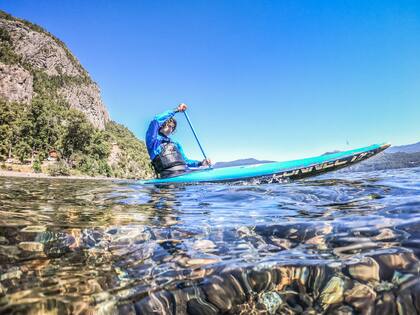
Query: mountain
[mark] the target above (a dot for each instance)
(410, 148)
(384, 161)
(34, 61)
(49, 105)
(395, 157)
(240, 162)
(403, 156)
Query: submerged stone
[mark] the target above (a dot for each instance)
(2, 290)
(259, 280)
(157, 303)
(341, 310)
(271, 301)
(385, 234)
(34, 229)
(332, 292)
(318, 240)
(204, 245)
(244, 231)
(383, 286)
(399, 278)
(317, 280)
(281, 242)
(405, 261)
(310, 311)
(201, 261)
(31, 246)
(9, 252)
(405, 305)
(12, 273)
(386, 304)
(3, 240)
(366, 270)
(397, 261)
(362, 298)
(415, 293)
(200, 307)
(301, 274)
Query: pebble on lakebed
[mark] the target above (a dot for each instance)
(31, 246)
(34, 229)
(204, 245)
(195, 262)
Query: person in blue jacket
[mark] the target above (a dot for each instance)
(168, 158)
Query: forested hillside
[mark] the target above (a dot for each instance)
(52, 116)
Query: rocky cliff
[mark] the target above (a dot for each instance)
(30, 57)
(50, 105)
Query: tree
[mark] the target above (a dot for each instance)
(99, 148)
(11, 118)
(77, 134)
(46, 127)
(23, 151)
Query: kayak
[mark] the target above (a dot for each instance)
(275, 172)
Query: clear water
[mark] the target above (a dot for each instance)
(342, 243)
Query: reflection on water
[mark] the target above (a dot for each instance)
(337, 244)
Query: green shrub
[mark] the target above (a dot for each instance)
(134, 161)
(37, 166)
(59, 169)
(23, 151)
(7, 54)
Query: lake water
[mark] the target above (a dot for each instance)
(341, 243)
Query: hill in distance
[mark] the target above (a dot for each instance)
(394, 157)
(409, 148)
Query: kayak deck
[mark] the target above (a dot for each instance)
(276, 171)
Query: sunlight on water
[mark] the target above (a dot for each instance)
(345, 243)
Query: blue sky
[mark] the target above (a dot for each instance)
(266, 79)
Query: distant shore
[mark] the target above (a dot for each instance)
(4, 173)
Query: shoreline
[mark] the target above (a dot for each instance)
(5, 173)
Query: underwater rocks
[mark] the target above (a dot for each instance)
(176, 271)
(356, 288)
(403, 260)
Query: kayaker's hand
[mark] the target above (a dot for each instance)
(182, 107)
(206, 162)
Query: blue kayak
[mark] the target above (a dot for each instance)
(277, 171)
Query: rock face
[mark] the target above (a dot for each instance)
(37, 51)
(87, 99)
(40, 50)
(15, 83)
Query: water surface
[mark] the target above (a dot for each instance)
(342, 243)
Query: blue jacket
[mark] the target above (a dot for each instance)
(154, 138)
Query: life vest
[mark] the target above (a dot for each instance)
(169, 158)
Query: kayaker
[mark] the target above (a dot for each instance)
(168, 158)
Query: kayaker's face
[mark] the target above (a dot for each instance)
(167, 129)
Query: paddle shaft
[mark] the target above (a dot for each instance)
(195, 135)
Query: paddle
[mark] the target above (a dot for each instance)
(195, 135)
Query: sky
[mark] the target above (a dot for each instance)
(272, 80)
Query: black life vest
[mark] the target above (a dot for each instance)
(169, 157)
